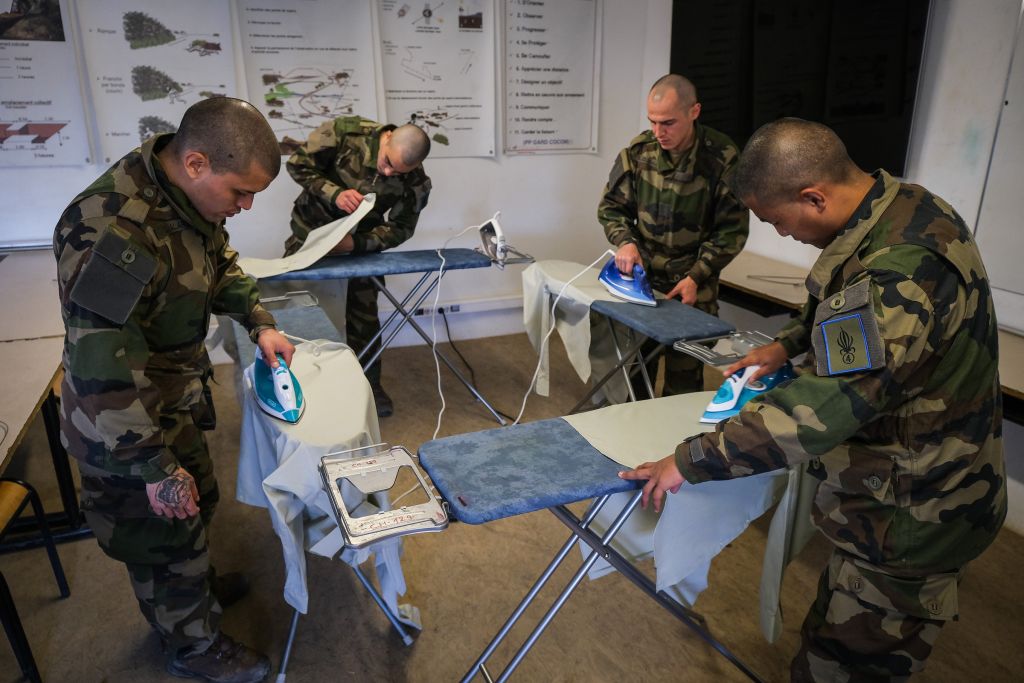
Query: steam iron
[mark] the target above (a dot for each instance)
(635, 289)
(738, 388)
(495, 246)
(277, 391)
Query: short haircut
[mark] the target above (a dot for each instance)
(684, 89)
(786, 156)
(231, 133)
(412, 143)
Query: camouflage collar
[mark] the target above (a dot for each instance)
(173, 194)
(373, 149)
(684, 167)
(832, 257)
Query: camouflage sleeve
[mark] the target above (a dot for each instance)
(617, 211)
(309, 164)
(727, 235)
(105, 363)
(795, 336)
(815, 413)
(236, 295)
(400, 223)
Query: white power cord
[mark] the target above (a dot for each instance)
(433, 325)
(544, 341)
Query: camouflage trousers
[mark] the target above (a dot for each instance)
(869, 626)
(167, 559)
(362, 322)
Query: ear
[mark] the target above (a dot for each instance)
(814, 197)
(196, 164)
(695, 111)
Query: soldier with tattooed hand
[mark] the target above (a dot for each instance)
(143, 260)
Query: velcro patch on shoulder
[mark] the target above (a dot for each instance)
(112, 280)
(846, 344)
(846, 337)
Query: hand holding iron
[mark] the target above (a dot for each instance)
(626, 257)
(770, 357)
(662, 476)
(271, 343)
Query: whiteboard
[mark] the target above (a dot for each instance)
(999, 232)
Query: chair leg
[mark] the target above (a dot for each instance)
(16, 634)
(51, 547)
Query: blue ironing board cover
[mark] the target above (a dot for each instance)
(308, 322)
(509, 471)
(387, 263)
(668, 322)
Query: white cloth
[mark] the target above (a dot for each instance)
(591, 351)
(700, 520)
(278, 468)
(318, 243)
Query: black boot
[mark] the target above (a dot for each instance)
(380, 397)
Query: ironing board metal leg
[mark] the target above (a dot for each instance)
(416, 326)
(288, 647)
(612, 530)
(622, 361)
(399, 310)
(626, 568)
(479, 665)
(406, 638)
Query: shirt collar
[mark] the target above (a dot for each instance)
(173, 194)
(852, 235)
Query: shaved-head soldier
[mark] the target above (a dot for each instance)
(341, 161)
(143, 259)
(667, 207)
(896, 409)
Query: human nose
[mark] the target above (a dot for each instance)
(245, 202)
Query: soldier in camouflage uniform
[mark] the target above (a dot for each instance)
(343, 160)
(143, 260)
(897, 406)
(667, 207)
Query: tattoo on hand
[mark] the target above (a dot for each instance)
(174, 490)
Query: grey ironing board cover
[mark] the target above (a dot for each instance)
(509, 471)
(387, 263)
(668, 322)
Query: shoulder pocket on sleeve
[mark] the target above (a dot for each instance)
(112, 280)
(846, 337)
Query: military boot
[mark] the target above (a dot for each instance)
(224, 661)
(380, 397)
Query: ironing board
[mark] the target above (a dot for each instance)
(377, 265)
(288, 480)
(489, 475)
(666, 323)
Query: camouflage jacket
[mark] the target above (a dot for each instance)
(683, 217)
(898, 404)
(342, 155)
(139, 273)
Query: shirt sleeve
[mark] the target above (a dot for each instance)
(813, 414)
(236, 294)
(311, 162)
(105, 364)
(727, 236)
(401, 220)
(617, 210)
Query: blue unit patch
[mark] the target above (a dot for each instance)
(846, 344)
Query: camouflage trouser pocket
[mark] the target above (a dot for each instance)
(118, 512)
(926, 597)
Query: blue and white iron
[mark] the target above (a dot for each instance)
(738, 388)
(635, 288)
(277, 391)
